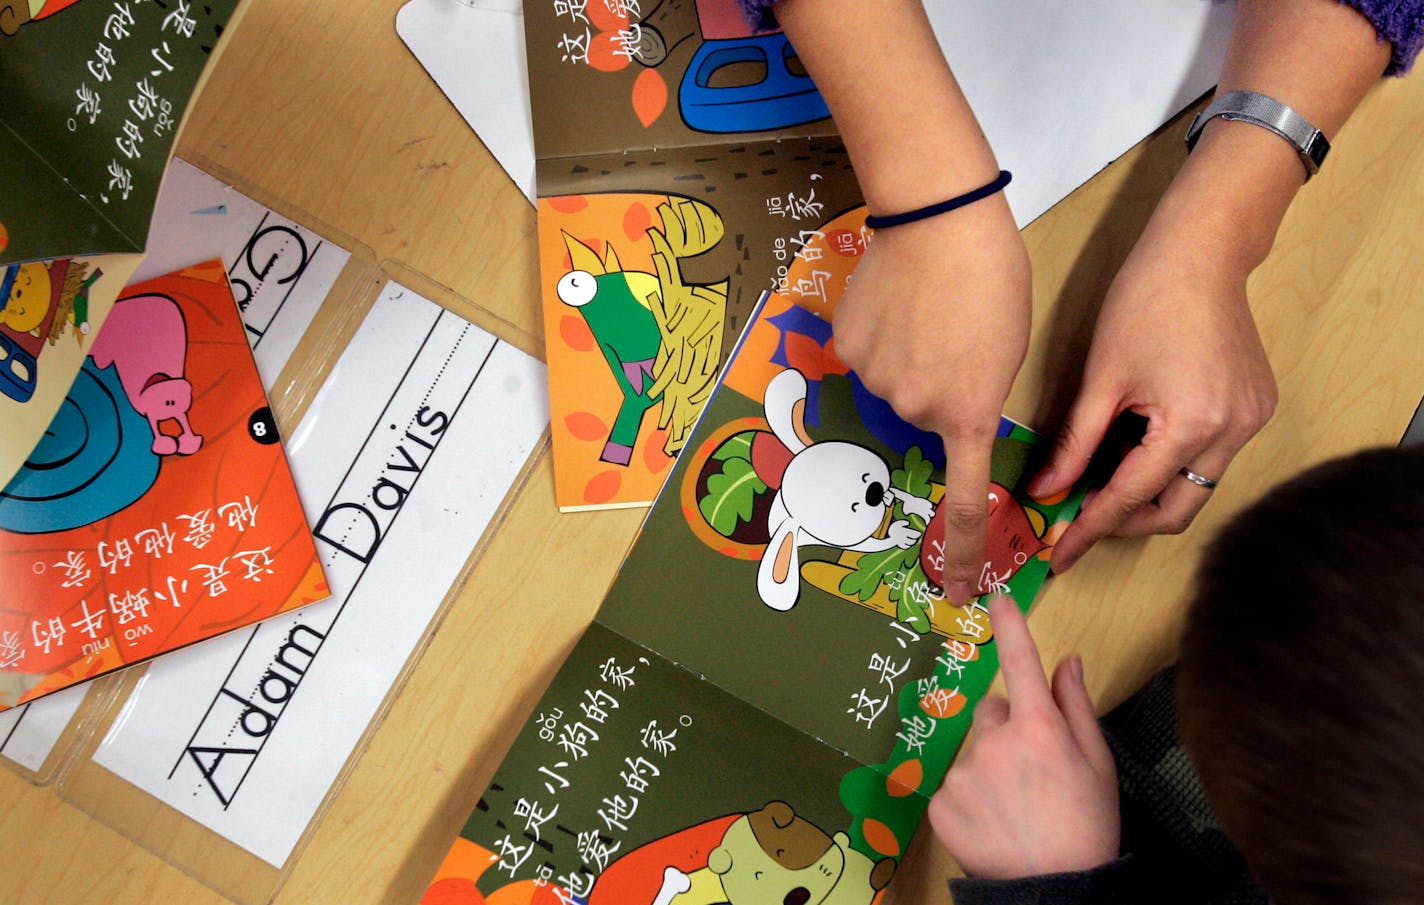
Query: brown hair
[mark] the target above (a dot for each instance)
(1301, 682)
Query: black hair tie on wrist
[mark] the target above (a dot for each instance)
(942, 207)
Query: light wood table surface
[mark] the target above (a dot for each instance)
(321, 106)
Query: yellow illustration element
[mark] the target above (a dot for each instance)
(73, 302)
(690, 318)
(29, 301)
(674, 355)
(774, 855)
(33, 294)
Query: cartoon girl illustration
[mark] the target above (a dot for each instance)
(38, 301)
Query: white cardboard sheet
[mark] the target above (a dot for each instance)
(28, 734)
(475, 53)
(280, 271)
(401, 462)
(1062, 89)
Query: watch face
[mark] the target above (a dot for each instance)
(1316, 150)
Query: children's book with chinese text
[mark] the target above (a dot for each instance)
(683, 158)
(159, 508)
(93, 95)
(648, 280)
(774, 685)
(684, 102)
(607, 76)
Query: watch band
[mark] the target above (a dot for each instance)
(1268, 113)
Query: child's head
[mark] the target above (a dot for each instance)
(1301, 682)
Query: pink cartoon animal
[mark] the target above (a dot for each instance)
(146, 340)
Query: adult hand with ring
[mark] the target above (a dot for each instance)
(1176, 344)
(1175, 341)
(1198, 479)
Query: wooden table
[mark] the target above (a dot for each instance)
(321, 105)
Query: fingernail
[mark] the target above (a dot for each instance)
(1076, 665)
(1064, 564)
(1042, 482)
(958, 592)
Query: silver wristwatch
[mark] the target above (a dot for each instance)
(1268, 113)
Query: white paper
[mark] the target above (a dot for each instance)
(1061, 89)
(280, 271)
(28, 734)
(1064, 89)
(475, 53)
(401, 463)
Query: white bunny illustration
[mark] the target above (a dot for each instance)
(833, 492)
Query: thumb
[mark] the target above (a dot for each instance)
(1076, 706)
(1076, 441)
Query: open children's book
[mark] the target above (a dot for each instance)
(91, 97)
(638, 103)
(158, 508)
(683, 159)
(774, 685)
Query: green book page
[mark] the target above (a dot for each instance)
(829, 648)
(631, 765)
(94, 92)
(48, 214)
(744, 726)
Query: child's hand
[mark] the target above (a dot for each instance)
(936, 322)
(1036, 791)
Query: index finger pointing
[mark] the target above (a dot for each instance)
(966, 515)
(1024, 679)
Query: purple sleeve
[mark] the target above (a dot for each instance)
(758, 13)
(1400, 22)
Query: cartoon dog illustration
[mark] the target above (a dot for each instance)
(833, 492)
(773, 855)
(146, 340)
(14, 13)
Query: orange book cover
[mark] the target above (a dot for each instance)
(159, 508)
